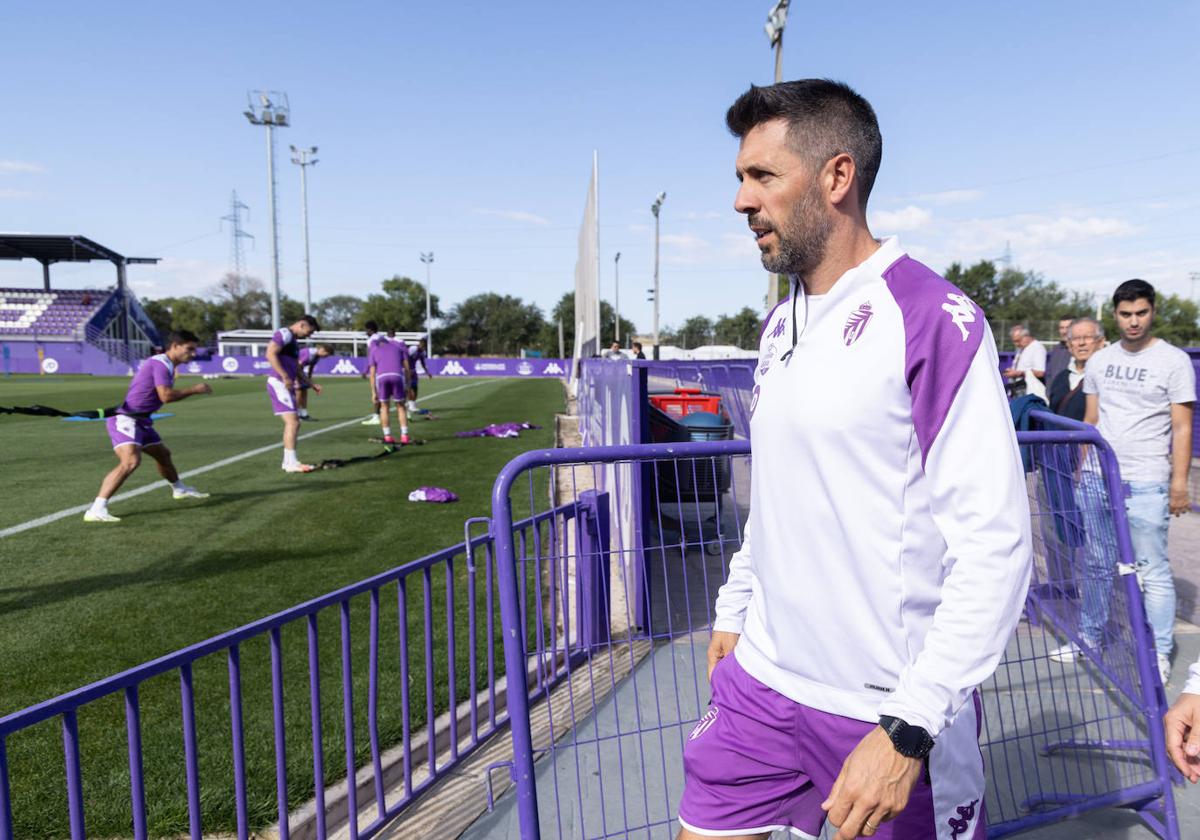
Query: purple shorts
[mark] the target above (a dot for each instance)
(759, 762)
(282, 401)
(138, 431)
(390, 388)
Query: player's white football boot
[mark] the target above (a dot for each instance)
(100, 516)
(188, 493)
(372, 421)
(298, 468)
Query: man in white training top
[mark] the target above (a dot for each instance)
(887, 551)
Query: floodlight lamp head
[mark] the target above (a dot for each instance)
(250, 116)
(617, 258)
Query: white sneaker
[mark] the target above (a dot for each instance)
(1164, 669)
(411, 406)
(373, 421)
(298, 468)
(100, 516)
(1067, 653)
(188, 493)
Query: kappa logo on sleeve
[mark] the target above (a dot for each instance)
(780, 325)
(959, 825)
(962, 312)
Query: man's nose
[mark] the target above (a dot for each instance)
(745, 201)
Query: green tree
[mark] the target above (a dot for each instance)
(695, 332)
(565, 310)
(740, 329)
(338, 312)
(243, 302)
(489, 324)
(196, 315)
(401, 306)
(1175, 320)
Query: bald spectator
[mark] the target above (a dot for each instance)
(1084, 336)
(1031, 357)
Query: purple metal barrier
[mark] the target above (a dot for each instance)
(449, 636)
(600, 754)
(732, 379)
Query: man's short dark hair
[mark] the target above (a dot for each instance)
(637, 344)
(328, 348)
(825, 118)
(180, 337)
(311, 321)
(371, 327)
(1132, 290)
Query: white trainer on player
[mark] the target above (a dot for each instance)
(186, 492)
(100, 516)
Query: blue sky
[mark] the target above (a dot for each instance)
(1067, 129)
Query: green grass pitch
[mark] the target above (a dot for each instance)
(79, 601)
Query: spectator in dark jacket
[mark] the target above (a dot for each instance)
(1060, 355)
(1084, 336)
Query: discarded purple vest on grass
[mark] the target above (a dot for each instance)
(432, 494)
(498, 430)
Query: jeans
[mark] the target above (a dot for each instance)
(1149, 513)
(1147, 510)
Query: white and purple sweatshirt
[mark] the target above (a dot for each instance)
(887, 551)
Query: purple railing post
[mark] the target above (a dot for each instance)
(314, 695)
(348, 716)
(239, 751)
(6, 826)
(191, 755)
(514, 655)
(137, 789)
(373, 704)
(281, 786)
(70, 727)
(1153, 696)
(592, 569)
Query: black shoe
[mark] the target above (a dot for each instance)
(308, 419)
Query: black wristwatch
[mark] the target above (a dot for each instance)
(910, 741)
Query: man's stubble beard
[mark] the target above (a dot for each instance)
(803, 237)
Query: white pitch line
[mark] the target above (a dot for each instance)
(224, 462)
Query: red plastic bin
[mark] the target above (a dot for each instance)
(686, 401)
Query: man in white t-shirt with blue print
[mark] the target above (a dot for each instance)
(1141, 392)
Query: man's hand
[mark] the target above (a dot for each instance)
(722, 645)
(316, 389)
(873, 787)
(1182, 723)
(288, 383)
(202, 388)
(1179, 500)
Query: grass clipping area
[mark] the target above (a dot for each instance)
(81, 601)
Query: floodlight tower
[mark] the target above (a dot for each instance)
(617, 293)
(776, 20)
(272, 111)
(428, 260)
(654, 208)
(304, 158)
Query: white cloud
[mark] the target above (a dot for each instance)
(949, 197)
(741, 246)
(513, 216)
(692, 215)
(20, 166)
(684, 248)
(906, 218)
(176, 277)
(15, 194)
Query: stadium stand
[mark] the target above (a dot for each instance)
(65, 313)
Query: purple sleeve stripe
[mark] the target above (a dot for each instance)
(943, 330)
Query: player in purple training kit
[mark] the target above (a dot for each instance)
(132, 431)
(416, 355)
(283, 354)
(309, 356)
(387, 367)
